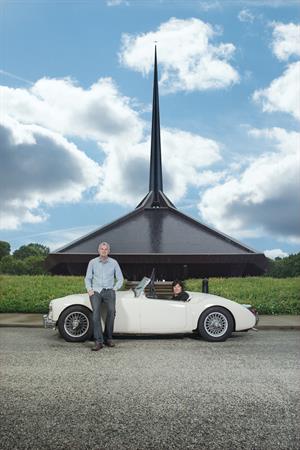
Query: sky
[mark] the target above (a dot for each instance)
(75, 116)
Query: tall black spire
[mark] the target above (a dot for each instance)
(155, 179)
(155, 197)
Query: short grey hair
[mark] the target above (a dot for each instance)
(106, 244)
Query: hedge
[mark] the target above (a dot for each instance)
(32, 294)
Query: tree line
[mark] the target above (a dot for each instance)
(26, 260)
(284, 267)
(30, 260)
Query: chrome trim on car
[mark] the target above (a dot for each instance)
(254, 312)
(48, 323)
(216, 324)
(76, 324)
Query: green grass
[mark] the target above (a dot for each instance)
(32, 294)
(268, 295)
(25, 293)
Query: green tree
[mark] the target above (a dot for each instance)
(12, 266)
(34, 265)
(4, 249)
(32, 249)
(285, 267)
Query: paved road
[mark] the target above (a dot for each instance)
(270, 322)
(150, 393)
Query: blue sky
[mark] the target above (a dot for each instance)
(75, 113)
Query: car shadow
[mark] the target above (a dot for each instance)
(143, 337)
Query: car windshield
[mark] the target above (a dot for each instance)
(141, 286)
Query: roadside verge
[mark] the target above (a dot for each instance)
(278, 322)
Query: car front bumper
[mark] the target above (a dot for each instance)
(254, 312)
(48, 323)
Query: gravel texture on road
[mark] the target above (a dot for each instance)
(150, 393)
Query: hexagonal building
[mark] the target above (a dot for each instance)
(157, 235)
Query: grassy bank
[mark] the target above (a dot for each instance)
(268, 295)
(32, 294)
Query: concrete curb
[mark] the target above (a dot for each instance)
(281, 322)
(21, 320)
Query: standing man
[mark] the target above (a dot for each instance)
(101, 286)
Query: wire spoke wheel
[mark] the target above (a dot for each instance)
(76, 324)
(216, 324)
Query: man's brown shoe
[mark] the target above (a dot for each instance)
(110, 344)
(97, 347)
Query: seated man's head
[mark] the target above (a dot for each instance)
(177, 287)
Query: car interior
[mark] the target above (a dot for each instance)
(151, 292)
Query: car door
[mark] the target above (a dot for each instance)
(162, 316)
(127, 313)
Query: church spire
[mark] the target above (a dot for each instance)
(155, 179)
(155, 197)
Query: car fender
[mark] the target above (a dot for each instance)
(60, 304)
(243, 318)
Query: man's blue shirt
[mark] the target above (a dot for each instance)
(101, 275)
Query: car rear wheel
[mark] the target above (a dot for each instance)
(215, 324)
(75, 324)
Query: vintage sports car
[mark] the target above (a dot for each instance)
(213, 318)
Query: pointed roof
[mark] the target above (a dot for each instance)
(155, 179)
(155, 197)
(156, 232)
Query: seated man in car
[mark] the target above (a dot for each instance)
(178, 291)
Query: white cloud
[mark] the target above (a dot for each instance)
(246, 16)
(184, 156)
(264, 198)
(283, 94)
(102, 114)
(99, 113)
(208, 5)
(260, 3)
(54, 239)
(39, 168)
(117, 2)
(59, 238)
(188, 58)
(286, 40)
(275, 252)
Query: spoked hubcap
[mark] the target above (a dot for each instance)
(216, 324)
(76, 324)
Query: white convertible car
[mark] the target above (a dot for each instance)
(213, 318)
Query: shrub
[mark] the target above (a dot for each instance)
(12, 266)
(33, 293)
(4, 249)
(32, 265)
(31, 250)
(269, 295)
(285, 267)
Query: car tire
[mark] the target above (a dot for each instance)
(215, 324)
(75, 324)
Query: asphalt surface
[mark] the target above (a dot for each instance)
(266, 322)
(150, 393)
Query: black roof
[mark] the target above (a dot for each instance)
(157, 230)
